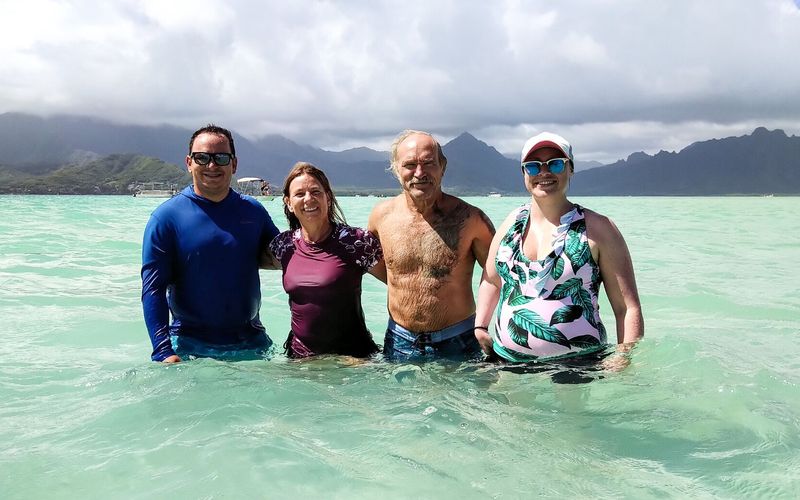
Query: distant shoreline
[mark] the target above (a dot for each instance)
(373, 194)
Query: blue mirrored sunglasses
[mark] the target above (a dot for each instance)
(555, 166)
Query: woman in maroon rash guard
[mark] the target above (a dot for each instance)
(323, 261)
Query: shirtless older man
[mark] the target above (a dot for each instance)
(431, 241)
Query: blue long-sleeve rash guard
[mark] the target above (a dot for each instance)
(200, 261)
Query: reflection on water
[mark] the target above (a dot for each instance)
(707, 408)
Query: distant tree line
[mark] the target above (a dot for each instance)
(112, 174)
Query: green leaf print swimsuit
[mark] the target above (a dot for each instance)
(548, 308)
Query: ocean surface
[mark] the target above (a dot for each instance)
(708, 408)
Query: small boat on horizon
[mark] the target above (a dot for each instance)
(154, 190)
(256, 187)
(494, 194)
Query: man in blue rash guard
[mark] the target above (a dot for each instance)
(200, 259)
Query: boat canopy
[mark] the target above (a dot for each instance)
(245, 180)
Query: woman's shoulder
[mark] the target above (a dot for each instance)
(283, 242)
(345, 232)
(520, 211)
(518, 214)
(358, 245)
(599, 227)
(592, 217)
(289, 235)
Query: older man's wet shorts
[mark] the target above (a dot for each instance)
(456, 342)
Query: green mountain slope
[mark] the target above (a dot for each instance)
(113, 174)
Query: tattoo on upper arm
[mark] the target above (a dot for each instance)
(486, 221)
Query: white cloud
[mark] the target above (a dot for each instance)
(620, 75)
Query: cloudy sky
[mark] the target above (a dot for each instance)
(613, 76)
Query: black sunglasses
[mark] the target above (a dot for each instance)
(220, 159)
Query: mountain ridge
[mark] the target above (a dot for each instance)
(763, 162)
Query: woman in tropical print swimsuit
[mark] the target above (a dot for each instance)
(545, 267)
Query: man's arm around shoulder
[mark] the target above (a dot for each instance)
(483, 231)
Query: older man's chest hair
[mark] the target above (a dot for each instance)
(426, 248)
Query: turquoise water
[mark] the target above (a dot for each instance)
(709, 407)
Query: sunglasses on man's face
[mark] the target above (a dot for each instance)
(220, 159)
(555, 166)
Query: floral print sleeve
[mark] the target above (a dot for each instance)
(362, 245)
(281, 244)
